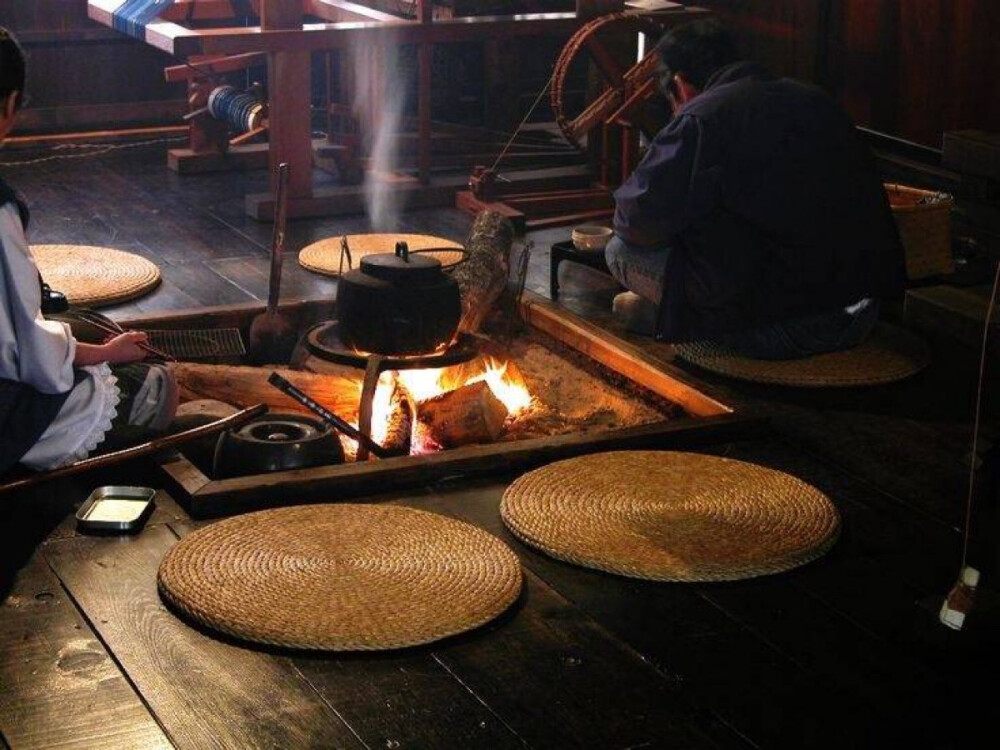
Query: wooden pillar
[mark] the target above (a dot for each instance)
(289, 82)
(425, 59)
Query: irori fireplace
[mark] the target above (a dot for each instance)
(630, 401)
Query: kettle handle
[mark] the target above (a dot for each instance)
(403, 251)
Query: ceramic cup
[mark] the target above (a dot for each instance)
(591, 238)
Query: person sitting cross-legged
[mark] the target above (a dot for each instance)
(756, 218)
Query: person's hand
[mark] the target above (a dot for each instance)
(124, 348)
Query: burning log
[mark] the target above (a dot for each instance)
(483, 276)
(470, 414)
(248, 385)
(399, 423)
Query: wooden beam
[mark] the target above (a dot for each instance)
(198, 10)
(350, 199)
(620, 356)
(214, 66)
(228, 496)
(320, 36)
(344, 10)
(163, 35)
(178, 40)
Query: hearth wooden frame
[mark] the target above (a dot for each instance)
(709, 421)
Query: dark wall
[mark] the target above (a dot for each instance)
(82, 75)
(911, 68)
(917, 68)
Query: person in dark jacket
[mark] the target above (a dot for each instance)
(756, 218)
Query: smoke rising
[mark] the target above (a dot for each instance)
(380, 93)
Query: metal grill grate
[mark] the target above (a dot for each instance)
(199, 344)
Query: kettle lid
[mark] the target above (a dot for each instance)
(402, 265)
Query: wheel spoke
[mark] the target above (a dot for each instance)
(610, 68)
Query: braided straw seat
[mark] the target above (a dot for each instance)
(340, 577)
(95, 276)
(670, 516)
(889, 354)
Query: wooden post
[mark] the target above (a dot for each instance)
(289, 83)
(630, 150)
(425, 59)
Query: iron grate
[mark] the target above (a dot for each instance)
(199, 344)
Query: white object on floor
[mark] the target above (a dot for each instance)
(636, 313)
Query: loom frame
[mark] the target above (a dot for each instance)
(288, 42)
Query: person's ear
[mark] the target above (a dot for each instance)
(686, 91)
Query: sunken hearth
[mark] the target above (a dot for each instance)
(560, 388)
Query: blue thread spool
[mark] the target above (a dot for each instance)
(240, 110)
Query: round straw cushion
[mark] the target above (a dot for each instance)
(324, 256)
(888, 354)
(668, 516)
(340, 577)
(95, 276)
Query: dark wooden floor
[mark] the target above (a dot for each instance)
(844, 652)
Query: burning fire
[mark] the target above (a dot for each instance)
(510, 389)
(505, 382)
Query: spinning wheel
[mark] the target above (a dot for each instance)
(628, 84)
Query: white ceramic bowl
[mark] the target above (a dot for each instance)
(591, 238)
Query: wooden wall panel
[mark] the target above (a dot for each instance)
(786, 35)
(910, 68)
(82, 75)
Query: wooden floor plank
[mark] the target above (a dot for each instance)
(205, 693)
(59, 688)
(875, 531)
(398, 699)
(771, 664)
(404, 700)
(558, 679)
(909, 439)
(731, 670)
(251, 275)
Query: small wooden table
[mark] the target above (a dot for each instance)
(567, 251)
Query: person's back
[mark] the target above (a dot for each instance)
(770, 205)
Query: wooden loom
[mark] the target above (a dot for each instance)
(608, 127)
(285, 40)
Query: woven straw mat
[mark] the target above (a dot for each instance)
(340, 577)
(668, 516)
(324, 256)
(889, 354)
(95, 276)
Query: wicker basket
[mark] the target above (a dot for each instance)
(924, 222)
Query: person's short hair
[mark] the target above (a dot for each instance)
(11, 66)
(696, 50)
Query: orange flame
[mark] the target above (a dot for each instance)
(504, 380)
(382, 405)
(510, 387)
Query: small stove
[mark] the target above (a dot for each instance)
(324, 341)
